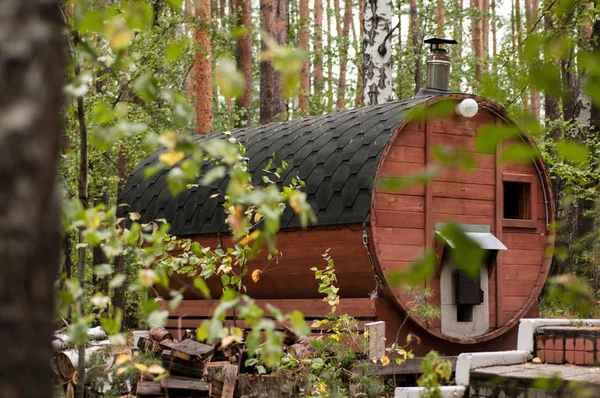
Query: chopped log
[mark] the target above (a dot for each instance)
(184, 383)
(188, 349)
(214, 373)
(263, 386)
(301, 350)
(229, 383)
(147, 344)
(70, 390)
(159, 334)
(97, 334)
(289, 336)
(59, 345)
(189, 334)
(67, 361)
(148, 389)
(75, 378)
(178, 366)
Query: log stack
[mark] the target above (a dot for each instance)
(189, 365)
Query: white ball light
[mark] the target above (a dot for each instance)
(467, 108)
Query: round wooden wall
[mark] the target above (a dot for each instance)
(403, 223)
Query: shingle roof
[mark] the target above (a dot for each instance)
(336, 155)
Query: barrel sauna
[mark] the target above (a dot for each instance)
(370, 232)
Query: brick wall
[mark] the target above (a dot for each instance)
(568, 344)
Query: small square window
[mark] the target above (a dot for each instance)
(519, 200)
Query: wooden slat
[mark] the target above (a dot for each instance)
(405, 219)
(385, 201)
(185, 323)
(411, 366)
(498, 269)
(229, 382)
(466, 207)
(311, 308)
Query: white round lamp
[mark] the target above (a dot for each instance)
(467, 107)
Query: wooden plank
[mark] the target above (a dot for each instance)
(187, 323)
(410, 138)
(429, 227)
(400, 236)
(229, 382)
(399, 202)
(410, 366)
(406, 154)
(463, 190)
(463, 206)
(188, 349)
(184, 383)
(146, 388)
(399, 252)
(401, 169)
(524, 257)
(405, 219)
(498, 269)
(475, 176)
(311, 308)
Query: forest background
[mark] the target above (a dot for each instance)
(140, 73)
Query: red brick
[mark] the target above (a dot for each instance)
(549, 345)
(541, 354)
(588, 358)
(570, 357)
(589, 345)
(579, 344)
(598, 355)
(549, 356)
(579, 358)
(559, 343)
(570, 343)
(559, 356)
(539, 342)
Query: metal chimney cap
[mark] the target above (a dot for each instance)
(434, 41)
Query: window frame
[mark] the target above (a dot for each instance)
(523, 179)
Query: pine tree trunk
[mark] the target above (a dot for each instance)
(415, 35)
(31, 85)
(303, 37)
(243, 10)
(551, 104)
(318, 49)
(329, 58)
(457, 30)
(441, 18)
(477, 39)
(377, 53)
(341, 100)
(485, 29)
(534, 6)
(202, 72)
(494, 29)
(118, 300)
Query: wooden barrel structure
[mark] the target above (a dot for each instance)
(506, 207)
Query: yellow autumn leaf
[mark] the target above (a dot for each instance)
(119, 35)
(156, 369)
(335, 337)
(134, 216)
(249, 238)
(147, 277)
(225, 341)
(257, 217)
(322, 387)
(120, 371)
(235, 218)
(171, 158)
(121, 359)
(297, 201)
(384, 360)
(256, 275)
(141, 367)
(168, 139)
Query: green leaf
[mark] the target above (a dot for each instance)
(231, 82)
(298, 324)
(157, 318)
(138, 15)
(145, 86)
(572, 151)
(174, 49)
(200, 284)
(175, 4)
(467, 255)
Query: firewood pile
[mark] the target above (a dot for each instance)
(194, 369)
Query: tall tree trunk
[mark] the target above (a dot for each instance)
(534, 6)
(303, 37)
(485, 29)
(318, 49)
(415, 35)
(551, 104)
(273, 19)
(119, 291)
(377, 52)
(341, 100)
(477, 39)
(243, 10)
(494, 29)
(31, 79)
(457, 30)
(441, 18)
(202, 71)
(512, 27)
(329, 58)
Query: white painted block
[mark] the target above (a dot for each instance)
(418, 392)
(376, 339)
(528, 326)
(468, 361)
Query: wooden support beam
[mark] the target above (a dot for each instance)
(229, 382)
(498, 232)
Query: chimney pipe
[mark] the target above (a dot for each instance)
(438, 65)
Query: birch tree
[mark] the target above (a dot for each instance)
(377, 52)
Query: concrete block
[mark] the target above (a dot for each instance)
(468, 361)
(376, 339)
(418, 392)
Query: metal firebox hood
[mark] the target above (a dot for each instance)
(479, 234)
